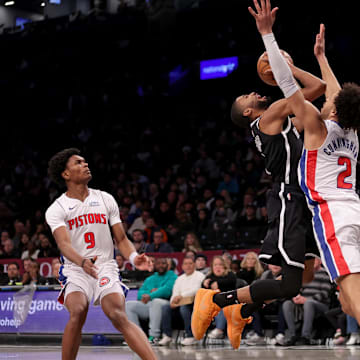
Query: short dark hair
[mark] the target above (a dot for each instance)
(347, 104)
(16, 264)
(57, 164)
(201, 256)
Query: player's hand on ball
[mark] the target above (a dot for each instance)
(90, 268)
(142, 262)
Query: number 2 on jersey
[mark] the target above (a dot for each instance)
(344, 174)
(89, 239)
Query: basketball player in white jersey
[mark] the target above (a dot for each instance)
(328, 163)
(80, 221)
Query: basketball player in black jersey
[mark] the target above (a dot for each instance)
(290, 236)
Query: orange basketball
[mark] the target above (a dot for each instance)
(264, 69)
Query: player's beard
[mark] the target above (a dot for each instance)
(264, 104)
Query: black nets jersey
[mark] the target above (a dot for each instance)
(281, 152)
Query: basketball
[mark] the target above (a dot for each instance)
(264, 69)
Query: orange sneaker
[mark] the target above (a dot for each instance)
(235, 323)
(204, 311)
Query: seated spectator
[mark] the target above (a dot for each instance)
(33, 276)
(251, 268)
(249, 218)
(313, 300)
(163, 216)
(182, 298)
(4, 279)
(31, 251)
(55, 267)
(183, 221)
(138, 241)
(235, 266)
(353, 330)
(46, 249)
(24, 240)
(159, 245)
(139, 223)
(201, 264)
(13, 271)
(4, 236)
(150, 229)
(220, 211)
(274, 308)
(121, 263)
(192, 243)
(228, 258)
(229, 183)
(26, 265)
(219, 278)
(9, 251)
(171, 264)
(190, 253)
(152, 296)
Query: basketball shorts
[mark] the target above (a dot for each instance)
(337, 232)
(74, 278)
(290, 236)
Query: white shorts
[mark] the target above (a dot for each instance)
(74, 278)
(337, 232)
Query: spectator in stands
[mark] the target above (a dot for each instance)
(150, 228)
(202, 225)
(219, 278)
(4, 236)
(183, 221)
(26, 264)
(33, 276)
(9, 250)
(190, 253)
(235, 266)
(4, 279)
(140, 222)
(46, 249)
(229, 184)
(31, 251)
(171, 264)
(159, 245)
(182, 298)
(251, 268)
(23, 242)
(13, 271)
(120, 262)
(19, 228)
(274, 308)
(138, 240)
(227, 258)
(353, 330)
(201, 264)
(220, 211)
(313, 301)
(152, 296)
(192, 243)
(55, 267)
(163, 216)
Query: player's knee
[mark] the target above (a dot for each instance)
(118, 317)
(77, 312)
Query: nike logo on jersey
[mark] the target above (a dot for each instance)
(71, 208)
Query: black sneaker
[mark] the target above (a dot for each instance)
(303, 341)
(291, 341)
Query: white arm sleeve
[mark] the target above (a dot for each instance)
(112, 208)
(279, 66)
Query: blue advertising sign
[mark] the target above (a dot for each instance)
(217, 68)
(46, 315)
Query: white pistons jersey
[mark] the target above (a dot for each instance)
(329, 173)
(87, 223)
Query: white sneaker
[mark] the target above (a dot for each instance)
(354, 339)
(255, 340)
(250, 334)
(279, 339)
(189, 341)
(216, 334)
(166, 340)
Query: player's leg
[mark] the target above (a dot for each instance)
(77, 304)
(113, 305)
(350, 295)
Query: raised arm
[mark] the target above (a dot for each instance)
(315, 130)
(327, 74)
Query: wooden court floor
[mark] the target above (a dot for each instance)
(182, 353)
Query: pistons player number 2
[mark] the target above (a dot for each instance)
(344, 174)
(90, 239)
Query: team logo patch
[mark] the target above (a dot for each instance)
(94, 203)
(103, 281)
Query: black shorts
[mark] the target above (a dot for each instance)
(290, 234)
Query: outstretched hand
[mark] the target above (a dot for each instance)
(264, 17)
(319, 47)
(142, 262)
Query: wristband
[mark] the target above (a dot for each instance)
(83, 262)
(132, 257)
